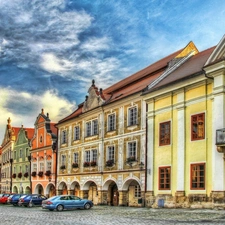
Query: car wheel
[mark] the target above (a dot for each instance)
(87, 206)
(31, 204)
(59, 208)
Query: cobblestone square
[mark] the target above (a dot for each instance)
(106, 215)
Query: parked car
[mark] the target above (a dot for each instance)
(31, 200)
(61, 202)
(14, 198)
(4, 198)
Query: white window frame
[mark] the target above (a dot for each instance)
(64, 136)
(41, 166)
(111, 122)
(34, 165)
(76, 133)
(75, 157)
(63, 160)
(92, 128)
(91, 155)
(111, 152)
(49, 165)
(132, 149)
(132, 116)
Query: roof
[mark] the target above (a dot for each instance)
(177, 66)
(30, 132)
(193, 66)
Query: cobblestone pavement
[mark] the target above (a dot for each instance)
(109, 215)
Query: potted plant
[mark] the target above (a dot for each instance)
(40, 173)
(14, 175)
(131, 159)
(93, 163)
(62, 167)
(109, 162)
(20, 175)
(48, 173)
(86, 164)
(75, 165)
(25, 174)
(33, 174)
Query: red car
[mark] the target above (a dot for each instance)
(4, 198)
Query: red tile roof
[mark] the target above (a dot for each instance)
(30, 133)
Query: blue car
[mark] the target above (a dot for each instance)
(61, 202)
(14, 199)
(31, 200)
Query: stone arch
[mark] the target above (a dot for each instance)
(27, 190)
(107, 182)
(50, 189)
(90, 191)
(39, 189)
(75, 188)
(62, 188)
(15, 189)
(128, 181)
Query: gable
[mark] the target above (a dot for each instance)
(218, 53)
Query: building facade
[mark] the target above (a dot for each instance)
(6, 156)
(102, 145)
(21, 165)
(43, 156)
(185, 109)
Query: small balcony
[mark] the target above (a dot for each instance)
(220, 140)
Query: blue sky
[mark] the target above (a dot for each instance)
(51, 50)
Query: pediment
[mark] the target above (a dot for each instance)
(218, 53)
(94, 99)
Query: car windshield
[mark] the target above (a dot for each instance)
(52, 198)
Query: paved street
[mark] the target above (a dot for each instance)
(109, 215)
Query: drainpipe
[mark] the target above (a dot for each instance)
(146, 153)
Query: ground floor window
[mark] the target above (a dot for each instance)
(164, 178)
(198, 176)
(137, 191)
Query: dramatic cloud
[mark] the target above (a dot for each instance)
(53, 49)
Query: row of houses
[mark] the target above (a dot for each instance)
(156, 138)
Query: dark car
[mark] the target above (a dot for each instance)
(14, 198)
(31, 200)
(61, 202)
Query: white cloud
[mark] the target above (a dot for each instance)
(96, 44)
(56, 106)
(51, 63)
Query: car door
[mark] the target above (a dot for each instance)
(66, 202)
(77, 202)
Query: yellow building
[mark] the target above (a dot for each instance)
(185, 111)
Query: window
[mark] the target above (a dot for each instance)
(75, 157)
(63, 160)
(198, 176)
(111, 122)
(41, 139)
(27, 152)
(34, 167)
(87, 156)
(91, 156)
(137, 191)
(164, 133)
(14, 154)
(76, 133)
(111, 153)
(64, 137)
(41, 168)
(132, 116)
(26, 168)
(198, 127)
(20, 153)
(92, 128)
(132, 148)
(49, 165)
(164, 178)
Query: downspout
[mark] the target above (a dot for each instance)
(207, 75)
(146, 152)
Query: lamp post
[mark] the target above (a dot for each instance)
(29, 159)
(11, 161)
(54, 150)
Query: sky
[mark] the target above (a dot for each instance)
(51, 50)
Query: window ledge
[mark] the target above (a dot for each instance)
(132, 127)
(91, 137)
